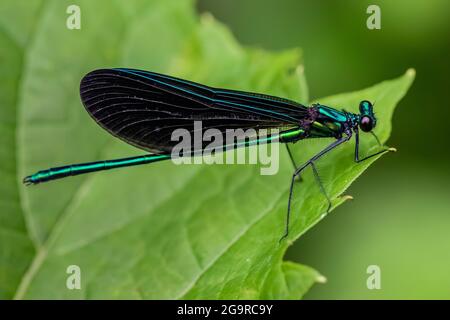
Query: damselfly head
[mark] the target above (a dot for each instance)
(367, 120)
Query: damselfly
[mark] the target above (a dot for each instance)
(143, 108)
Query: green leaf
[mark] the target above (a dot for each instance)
(16, 248)
(158, 231)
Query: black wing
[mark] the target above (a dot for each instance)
(144, 108)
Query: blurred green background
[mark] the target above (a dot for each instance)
(400, 218)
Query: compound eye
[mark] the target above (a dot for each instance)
(366, 124)
(365, 107)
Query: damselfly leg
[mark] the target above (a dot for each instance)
(299, 170)
(357, 159)
(294, 164)
(291, 156)
(376, 138)
(322, 188)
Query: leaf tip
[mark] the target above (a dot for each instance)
(392, 149)
(411, 72)
(346, 197)
(321, 279)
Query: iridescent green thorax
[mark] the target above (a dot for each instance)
(353, 119)
(332, 114)
(327, 122)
